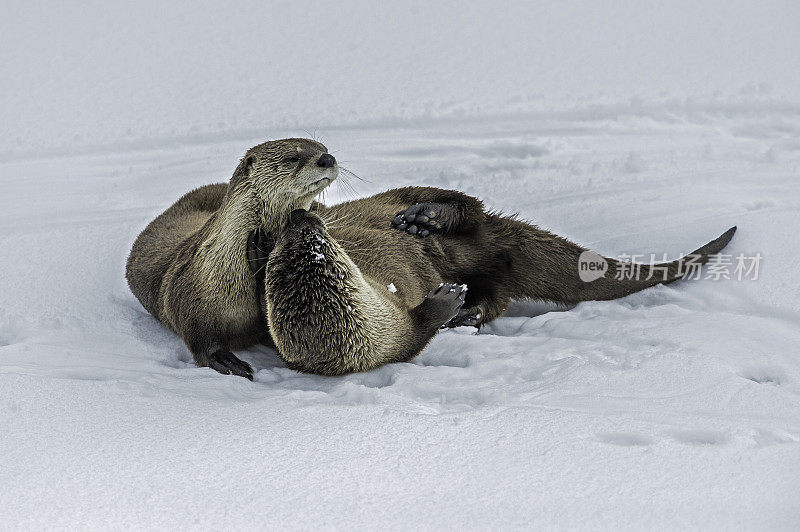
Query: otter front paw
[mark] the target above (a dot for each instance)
(442, 304)
(259, 245)
(227, 363)
(422, 219)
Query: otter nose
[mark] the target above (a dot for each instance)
(326, 160)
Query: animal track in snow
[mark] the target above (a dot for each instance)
(764, 375)
(625, 439)
(766, 437)
(701, 437)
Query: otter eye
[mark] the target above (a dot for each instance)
(292, 159)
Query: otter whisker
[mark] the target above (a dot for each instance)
(338, 223)
(337, 219)
(350, 173)
(349, 243)
(357, 250)
(348, 189)
(342, 216)
(259, 270)
(334, 227)
(349, 249)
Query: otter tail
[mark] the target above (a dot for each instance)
(541, 265)
(623, 279)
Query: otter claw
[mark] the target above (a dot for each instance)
(227, 363)
(469, 317)
(444, 302)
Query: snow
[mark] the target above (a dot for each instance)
(632, 129)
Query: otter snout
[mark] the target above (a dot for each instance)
(326, 160)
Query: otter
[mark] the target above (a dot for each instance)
(328, 318)
(199, 267)
(330, 313)
(188, 268)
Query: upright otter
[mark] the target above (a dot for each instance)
(189, 267)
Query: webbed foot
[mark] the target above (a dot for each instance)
(442, 304)
(470, 317)
(422, 219)
(227, 363)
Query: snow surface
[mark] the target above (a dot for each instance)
(636, 128)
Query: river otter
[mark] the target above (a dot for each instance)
(330, 315)
(189, 267)
(327, 317)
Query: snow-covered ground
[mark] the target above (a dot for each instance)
(637, 129)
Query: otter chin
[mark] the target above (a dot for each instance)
(323, 183)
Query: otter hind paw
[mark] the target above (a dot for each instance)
(470, 317)
(421, 219)
(227, 363)
(443, 303)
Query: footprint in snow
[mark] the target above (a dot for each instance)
(701, 437)
(625, 439)
(764, 375)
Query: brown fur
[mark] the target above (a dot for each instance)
(189, 266)
(327, 316)
(498, 257)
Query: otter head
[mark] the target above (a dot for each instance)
(282, 175)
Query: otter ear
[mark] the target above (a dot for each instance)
(244, 167)
(243, 170)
